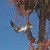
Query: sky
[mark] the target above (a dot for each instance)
(9, 39)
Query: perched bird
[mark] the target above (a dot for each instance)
(20, 29)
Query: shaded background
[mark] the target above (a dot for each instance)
(9, 39)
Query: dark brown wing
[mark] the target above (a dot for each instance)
(14, 26)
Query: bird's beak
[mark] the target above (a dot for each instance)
(31, 26)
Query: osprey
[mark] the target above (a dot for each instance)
(20, 29)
